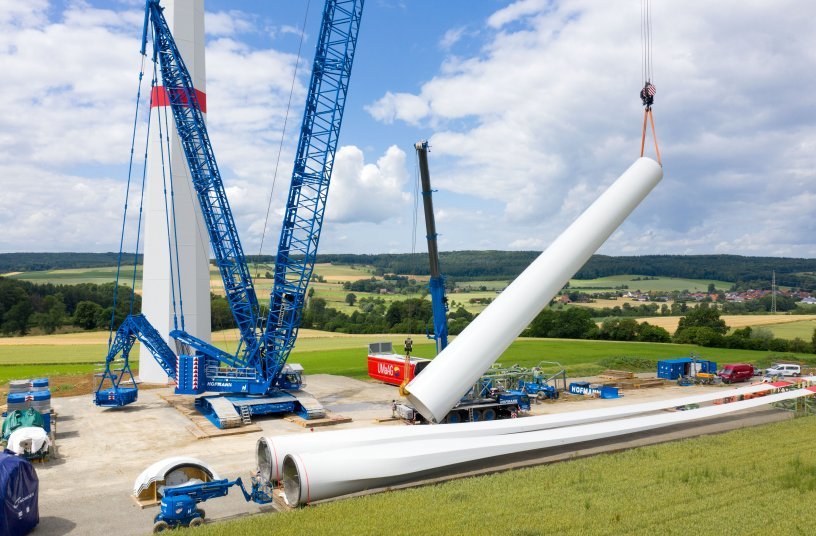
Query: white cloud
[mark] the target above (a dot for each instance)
(515, 11)
(451, 37)
(402, 106)
(227, 23)
(67, 109)
(546, 115)
(50, 211)
(363, 192)
(23, 14)
(528, 244)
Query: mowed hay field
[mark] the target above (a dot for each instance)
(758, 480)
(670, 323)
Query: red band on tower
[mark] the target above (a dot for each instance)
(159, 97)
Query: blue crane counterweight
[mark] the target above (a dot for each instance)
(258, 367)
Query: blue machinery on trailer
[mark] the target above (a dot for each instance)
(258, 366)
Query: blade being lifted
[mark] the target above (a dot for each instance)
(443, 383)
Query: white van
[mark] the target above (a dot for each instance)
(784, 369)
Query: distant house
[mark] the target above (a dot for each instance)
(808, 301)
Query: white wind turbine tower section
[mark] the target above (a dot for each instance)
(449, 376)
(314, 476)
(186, 20)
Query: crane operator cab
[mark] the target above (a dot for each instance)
(291, 378)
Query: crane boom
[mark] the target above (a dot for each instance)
(218, 218)
(309, 188)
(436, 283)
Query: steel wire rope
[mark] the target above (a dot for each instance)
(175, 226)
(283, 136)
(415, 214)
(141, 200)
(194, 203)
(166, 207)
(173, 208)
(647, 72)
(127, 198)
(645, 39)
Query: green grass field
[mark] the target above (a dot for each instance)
(792, 330)
(82, 275)
(659, 284)
(346, 356)
(758, 480)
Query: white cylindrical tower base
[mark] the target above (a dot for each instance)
(192, 288)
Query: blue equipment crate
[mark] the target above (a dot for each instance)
(111, 398)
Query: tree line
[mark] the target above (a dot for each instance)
(745, 272)
(35, 262)
(24, 305)
(699, 325)
(375, 315)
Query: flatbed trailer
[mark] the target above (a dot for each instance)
(504, 405)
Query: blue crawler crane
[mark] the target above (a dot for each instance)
(256, 379)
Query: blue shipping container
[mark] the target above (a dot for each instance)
(672, 369)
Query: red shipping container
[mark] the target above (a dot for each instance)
(390, 368)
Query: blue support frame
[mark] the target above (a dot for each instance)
(134, 327)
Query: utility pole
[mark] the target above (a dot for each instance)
(773, 291)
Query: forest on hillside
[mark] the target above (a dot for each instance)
(475, 265)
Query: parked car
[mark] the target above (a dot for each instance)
(784, 369)
(736, 372)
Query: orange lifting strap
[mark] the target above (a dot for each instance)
(647, 96)
(647, 113)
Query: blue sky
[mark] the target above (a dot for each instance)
(531, 108)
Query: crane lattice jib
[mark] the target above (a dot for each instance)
(309, 188)
(192, 131)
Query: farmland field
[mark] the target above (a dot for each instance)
(791, 330)
(334, 275)
(647, 285)
(740, 321)
(81, 275)
(329, 353)
(763, 477)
